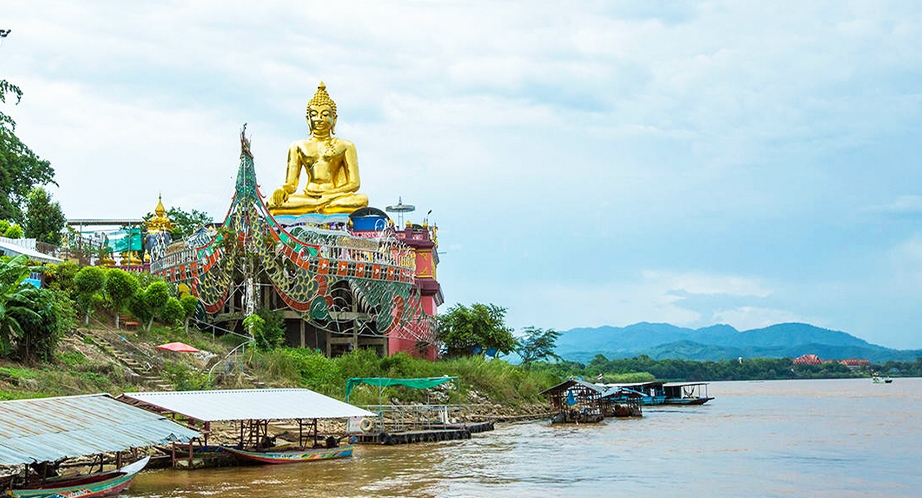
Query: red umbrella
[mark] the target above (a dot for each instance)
(178, 347)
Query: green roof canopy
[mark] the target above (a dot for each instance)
(422, 383)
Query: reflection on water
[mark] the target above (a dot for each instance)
(841, 438)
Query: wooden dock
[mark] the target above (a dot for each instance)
(427, 435)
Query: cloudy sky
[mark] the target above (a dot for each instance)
(587, 163)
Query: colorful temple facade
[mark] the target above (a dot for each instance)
(341, 273)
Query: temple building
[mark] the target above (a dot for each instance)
(340, 272)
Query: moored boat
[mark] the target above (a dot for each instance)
(662, 393)
(293, 455)
(877, 379)
(98, 484)
(686, 393)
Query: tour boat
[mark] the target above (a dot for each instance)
(663, 393)
(293, 455)
(98, 484)
(877, 379)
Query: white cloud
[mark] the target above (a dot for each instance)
(701, 283)
(750, 317)
(904, 205)
(727, 142)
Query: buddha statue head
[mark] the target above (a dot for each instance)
(321, 112)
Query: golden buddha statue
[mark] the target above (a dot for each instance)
(159, 222)
(331, 164)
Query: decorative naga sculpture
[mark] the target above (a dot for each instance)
(331, 165)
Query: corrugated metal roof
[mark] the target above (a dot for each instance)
(567, 384)
(47, 429)
(250, 404)
(13, 249)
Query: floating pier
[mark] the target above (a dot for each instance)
(433, 434)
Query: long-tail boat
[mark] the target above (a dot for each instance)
(98, 484)
(292, 455)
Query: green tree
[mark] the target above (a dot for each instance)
(189, 303)
(272, 332)
(140, 308)
(538, 344)
(462, 329)
(44, 219)
(155, 297)
(121, 287)
(61, 277)
(88, 284)
(20, 168)
(172, 312)
(4, 224)
(253, 324)
(13, 232)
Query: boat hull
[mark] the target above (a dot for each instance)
(104, 484)
(291, 456)
(662, 400)
(686, 401)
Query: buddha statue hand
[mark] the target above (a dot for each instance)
(279, 197)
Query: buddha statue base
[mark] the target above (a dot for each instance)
(313, 219)
(297, 211)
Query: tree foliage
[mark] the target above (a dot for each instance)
(538, 344)
(149, 303)
(121, 288)
(32, 320)
(13, 231)
(172, 312)
(13, 271)
(271, 333)
(44, 220)
(61, 277)
(188, 303)
(20, 168)
(89, 283)
(52, 315)
(742, 369)
(462, 330)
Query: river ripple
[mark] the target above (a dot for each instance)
(818, 438)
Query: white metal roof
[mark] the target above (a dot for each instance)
(250, 404)
(47, 429)
(13, 250)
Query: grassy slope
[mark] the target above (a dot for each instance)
(95, 362)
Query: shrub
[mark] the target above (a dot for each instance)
(172, 312)
(120, 287)
(88, 284)
(13, 232)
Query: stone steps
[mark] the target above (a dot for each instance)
(145, 373)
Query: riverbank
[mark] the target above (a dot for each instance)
(104, 359)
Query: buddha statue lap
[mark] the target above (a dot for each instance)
(330, 163)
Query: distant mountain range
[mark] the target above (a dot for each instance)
(718, 342)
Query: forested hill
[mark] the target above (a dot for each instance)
(717, 342)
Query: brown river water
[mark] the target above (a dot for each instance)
(818, 438)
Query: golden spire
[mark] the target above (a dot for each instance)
(159, 222)
(159, 210)
(322, 98)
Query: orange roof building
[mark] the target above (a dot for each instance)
(808, 359)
